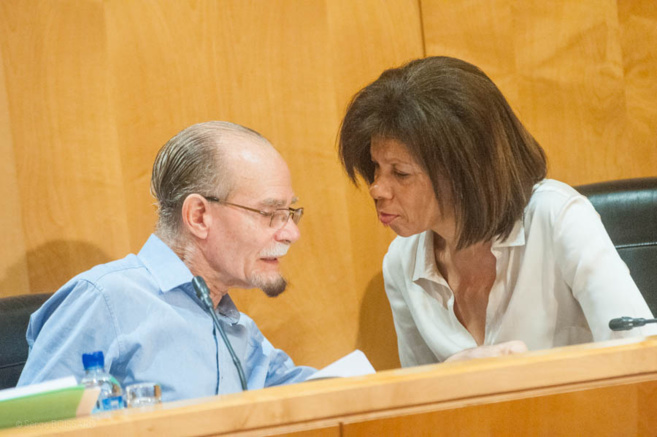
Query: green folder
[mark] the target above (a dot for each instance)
(55, 404)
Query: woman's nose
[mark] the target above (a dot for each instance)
(380, 190)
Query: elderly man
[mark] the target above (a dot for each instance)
(224, 196)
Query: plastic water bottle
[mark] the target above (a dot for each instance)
(111, 393)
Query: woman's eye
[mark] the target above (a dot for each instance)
(401, 175)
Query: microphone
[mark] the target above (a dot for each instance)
(203, 293)
(627, 323)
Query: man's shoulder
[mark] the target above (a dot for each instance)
(107, 273)
(94, 282)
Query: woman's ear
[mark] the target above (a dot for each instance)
(196, 217)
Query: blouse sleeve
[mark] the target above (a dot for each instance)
(598, 277)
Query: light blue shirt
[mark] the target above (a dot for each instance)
(142, 313)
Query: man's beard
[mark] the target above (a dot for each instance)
(271, 286)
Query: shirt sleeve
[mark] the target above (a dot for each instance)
(598, 277)
(267, 366)
(413, 350)
(75, 320)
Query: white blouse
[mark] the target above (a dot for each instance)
(559, 281)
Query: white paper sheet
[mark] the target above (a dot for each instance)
(353, 364)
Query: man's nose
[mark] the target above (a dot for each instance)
(289, 233)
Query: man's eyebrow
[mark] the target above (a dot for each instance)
(277, 203)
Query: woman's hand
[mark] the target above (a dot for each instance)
(495, 350)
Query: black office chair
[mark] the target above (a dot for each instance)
(14, 317)
(628, 209)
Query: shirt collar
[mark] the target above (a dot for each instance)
(169, 272)
(227, 309)
(425, 262)
(515, 238)
(167, 268)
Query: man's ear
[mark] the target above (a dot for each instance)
(196, 215)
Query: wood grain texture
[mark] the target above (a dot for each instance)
(70, 199)
(591, 412)
(577, 73)
(14, 272)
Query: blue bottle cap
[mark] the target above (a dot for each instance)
(94, 359)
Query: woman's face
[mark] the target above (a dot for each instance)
(403, 194)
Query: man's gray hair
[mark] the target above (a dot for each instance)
(191, 162)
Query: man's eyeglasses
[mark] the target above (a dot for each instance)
(277, 218)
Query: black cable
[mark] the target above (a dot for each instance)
(203, 294)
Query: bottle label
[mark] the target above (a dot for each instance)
(113, 403)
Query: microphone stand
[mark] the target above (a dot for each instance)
(203, 294)
(627, 323)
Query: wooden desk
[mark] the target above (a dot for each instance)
(594, 389)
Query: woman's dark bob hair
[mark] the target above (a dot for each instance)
(455, 122)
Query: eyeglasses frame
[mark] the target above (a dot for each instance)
(293, 212)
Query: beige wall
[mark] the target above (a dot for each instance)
(90, 90)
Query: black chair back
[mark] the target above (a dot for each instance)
(15, 314)
(628, 209)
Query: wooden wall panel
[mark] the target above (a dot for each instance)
(14, 275)
(638, 41)
(578, 74)
(70, 198)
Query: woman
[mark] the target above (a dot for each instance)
(488, 250)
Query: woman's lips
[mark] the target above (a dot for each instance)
(386, 219)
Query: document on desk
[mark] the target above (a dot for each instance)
(61, 398)
(353, 364)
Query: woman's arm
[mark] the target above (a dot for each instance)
(597, 276)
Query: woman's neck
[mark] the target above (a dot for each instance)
(464, 266)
